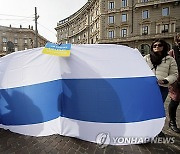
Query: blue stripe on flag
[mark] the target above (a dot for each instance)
(119, 100)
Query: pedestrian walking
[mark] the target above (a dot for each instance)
(174, 89)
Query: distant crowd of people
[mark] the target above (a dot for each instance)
(165, 63)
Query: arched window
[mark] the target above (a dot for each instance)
(144, 49)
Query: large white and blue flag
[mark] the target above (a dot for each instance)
(97, 89)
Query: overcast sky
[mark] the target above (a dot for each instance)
(21, 12)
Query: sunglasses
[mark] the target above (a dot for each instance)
(157, 45)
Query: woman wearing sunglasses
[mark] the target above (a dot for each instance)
(163, 66)
(174, 89)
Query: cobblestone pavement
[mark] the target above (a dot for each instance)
(12, 143)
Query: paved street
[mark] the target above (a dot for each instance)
(20, 144)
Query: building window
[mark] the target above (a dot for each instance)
(145, 14)
(72, 40)
(165, 11)
(92, 30)
(97, 12)
(144, 30)
(124, 32)
(124, 17)
(97, 25)
(111, 5)
(111, 19)
(91, 41)
(144, 49)
(15, 40)
(25, 41)
(111, 34)
(4, 40)
(124, 3)
(97, 37)
(79, 37)
(4, 48)
(165, 28)
(144, 0)
(92, 18)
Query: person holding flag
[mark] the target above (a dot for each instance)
(163, 66)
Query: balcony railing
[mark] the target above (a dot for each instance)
(154, 2)
(136, 38)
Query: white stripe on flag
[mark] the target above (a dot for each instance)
(92, 61)
(89, 130)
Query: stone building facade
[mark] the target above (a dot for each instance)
(16, 39)
(135, 23)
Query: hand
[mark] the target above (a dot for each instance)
(163, 81)
(160, 82)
